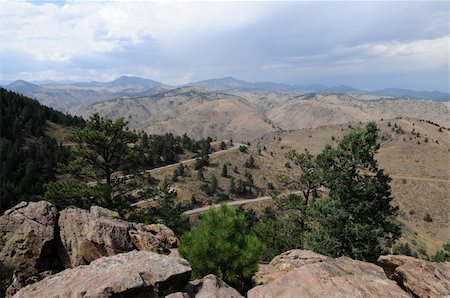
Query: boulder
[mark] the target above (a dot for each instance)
(132, 274)
(418, 277)
(209, 286)
(306, 274)
(286, 262)
(28, 242)
(89, 235)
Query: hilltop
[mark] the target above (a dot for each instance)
(192, 110)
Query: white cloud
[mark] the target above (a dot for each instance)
(57, 33)
(388, 56)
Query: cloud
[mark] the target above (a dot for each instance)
(179, 41)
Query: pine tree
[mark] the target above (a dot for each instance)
(224, 170)
(361, 218)
(222, 245)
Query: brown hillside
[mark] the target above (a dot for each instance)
(190, 110)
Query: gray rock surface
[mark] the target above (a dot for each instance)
(306, 274)
(209, 286)
(132, 274)
(87, 236)
(418, 277)
(28, 242)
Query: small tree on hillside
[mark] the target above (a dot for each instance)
(222, 245)
(224, 170)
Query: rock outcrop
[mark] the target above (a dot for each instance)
(300, 273)
(132, 274)
(28, 242)
(87, 236)
(209, 286)
(418, 277)
(286, 262)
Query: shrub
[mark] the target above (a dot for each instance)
(222, 245)
(250, 163)
(224, 171)
(243, 149)
(428, 218)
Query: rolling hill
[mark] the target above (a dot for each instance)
(191, 110)
(245, 116)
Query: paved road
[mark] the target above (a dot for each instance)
(233, 203)
(248, 201)
(187, 161)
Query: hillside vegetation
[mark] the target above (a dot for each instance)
(28, 154)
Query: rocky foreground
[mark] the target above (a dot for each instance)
(80, 253)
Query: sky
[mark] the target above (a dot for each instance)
(368, 45)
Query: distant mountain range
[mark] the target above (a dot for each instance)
(69, 95)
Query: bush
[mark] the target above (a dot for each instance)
(222, 245)
(443, 255)
(428, 218)
(243, 149)
(250, 163)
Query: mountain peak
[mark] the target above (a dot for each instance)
(23, 86)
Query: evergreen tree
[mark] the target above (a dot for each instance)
(28, 156)
(224, 172)
(361, 218)
(103, 146)
(222, 245)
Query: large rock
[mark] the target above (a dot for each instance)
(132, 274)
(28, 242)
(286, 262)
(306, 274)
(209, 286)
(418, 277)
(87, 236)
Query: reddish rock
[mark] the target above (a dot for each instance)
(418, 277)
(286, 262)
(209, 286)
(132, 274)
(297, 275)
(86, 236)
(27, 242)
